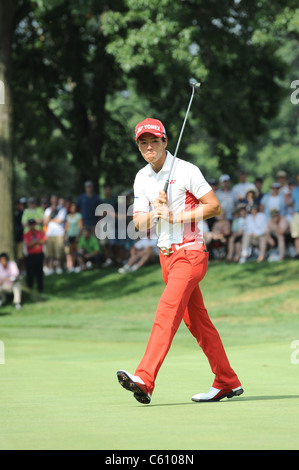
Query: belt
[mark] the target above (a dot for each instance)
(174, 248)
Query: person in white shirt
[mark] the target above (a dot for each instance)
(184, 261)
(9, 283)
(238, 230)
(226, 197)
(255, 234)
(240, 189)
(273, 200)
(54, 219)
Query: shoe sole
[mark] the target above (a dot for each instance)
(231, 394)
(131, 386)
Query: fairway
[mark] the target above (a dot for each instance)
(59, 388)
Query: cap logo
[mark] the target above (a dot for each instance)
(152, 126)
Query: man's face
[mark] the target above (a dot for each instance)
(89, 189)
(152, 148)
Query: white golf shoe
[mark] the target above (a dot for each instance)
(215, 394)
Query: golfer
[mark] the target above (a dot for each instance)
(184, 262)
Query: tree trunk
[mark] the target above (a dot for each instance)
(7, 10)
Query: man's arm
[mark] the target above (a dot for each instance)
(145, 221)
(209, 207)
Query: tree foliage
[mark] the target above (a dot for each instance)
(86, 72)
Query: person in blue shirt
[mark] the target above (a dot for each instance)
(87, 204)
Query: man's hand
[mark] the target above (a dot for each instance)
(161, 200)
(161, 208)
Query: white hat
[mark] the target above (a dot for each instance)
(224, 178)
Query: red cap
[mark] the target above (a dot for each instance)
(151, 126)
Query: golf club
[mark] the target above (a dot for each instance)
(194, 84)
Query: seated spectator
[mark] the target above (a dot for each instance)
(225, 196)
(273, 200)
(88, 252)
(238, 230)
(251, 198)
(277, 228)
(55, 217)
(73, 230)
(143, 252)
(255, 234)
(295, 217)
(9, 282)
(219, 233)
(35, 241)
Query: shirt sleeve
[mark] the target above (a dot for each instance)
(141, 203)
(196, 184)
(13, 269)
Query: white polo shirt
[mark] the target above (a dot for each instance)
(187, 186)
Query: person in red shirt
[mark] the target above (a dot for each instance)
(35, 241)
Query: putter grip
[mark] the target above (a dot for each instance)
(156, 219)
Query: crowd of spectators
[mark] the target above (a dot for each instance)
(59, 235)
(255, 225)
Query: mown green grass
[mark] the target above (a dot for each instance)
(59, 388)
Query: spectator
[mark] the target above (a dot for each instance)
(239, 190)
(250, 198)
(281, 178)
(143, 252)
(88, 251)
(33, 212)
(277, 229)
(289, 204)
(87, 204)
(273, 200)
(55, 217)
(9, 284)
(35, 241)
(238, 230)
(19, 231)
(109, 244)
(295, 217)
(73, 230)
(225, 196)
(255, 234)
(219, 233)
(259, 185)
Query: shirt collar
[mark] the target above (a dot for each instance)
(165, 168)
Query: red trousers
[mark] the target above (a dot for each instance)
(182, 300)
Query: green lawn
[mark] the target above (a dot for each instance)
(58, 384)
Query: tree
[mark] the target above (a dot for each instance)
(163, 43)
(64, 82)
(7, 17)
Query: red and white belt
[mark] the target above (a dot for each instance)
(176, 247)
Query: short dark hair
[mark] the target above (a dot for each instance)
(4, 255)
